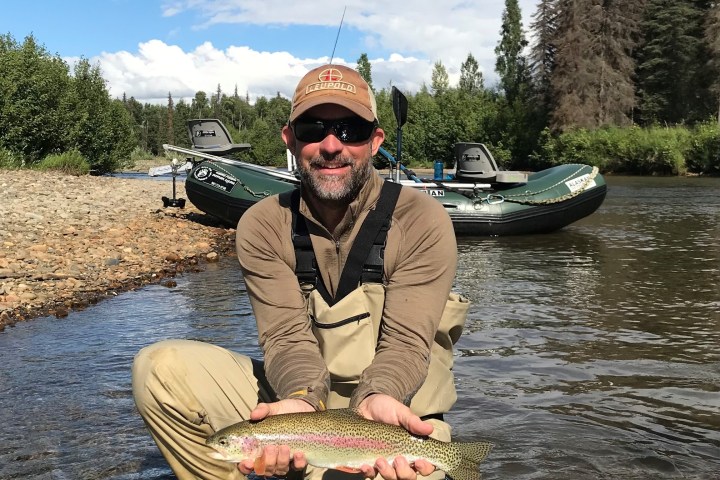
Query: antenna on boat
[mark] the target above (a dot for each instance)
(332, 57)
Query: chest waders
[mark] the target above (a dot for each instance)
(347, 326)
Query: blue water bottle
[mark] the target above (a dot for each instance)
(438, 170)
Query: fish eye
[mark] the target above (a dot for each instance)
(223, 442)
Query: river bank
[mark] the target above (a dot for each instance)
(66, 241)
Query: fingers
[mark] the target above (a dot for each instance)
(384, 408)
(368, 471)
(246, 467)
(288, 405)
(413, 424)
(423, 467)
(261, 411)
(275, 461)
(299, 462)
(400, 469)
(403, 470)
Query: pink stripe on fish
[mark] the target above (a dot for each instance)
(342, 442)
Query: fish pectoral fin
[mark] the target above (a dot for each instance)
(259, 465)
(348, 469)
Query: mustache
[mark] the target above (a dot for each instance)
(338, 161)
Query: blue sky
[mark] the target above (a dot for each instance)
(148, 48)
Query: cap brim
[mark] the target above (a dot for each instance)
(354, 107)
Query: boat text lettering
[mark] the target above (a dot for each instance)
(580, 182)
(435, 193)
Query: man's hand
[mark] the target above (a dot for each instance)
(385, 409)
(276, 458)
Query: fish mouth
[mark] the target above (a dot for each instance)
(221, 456)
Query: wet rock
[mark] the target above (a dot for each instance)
(172, 257)
(109, 262)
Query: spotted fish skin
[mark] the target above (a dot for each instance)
(342, 438)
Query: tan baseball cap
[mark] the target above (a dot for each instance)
(334, 84)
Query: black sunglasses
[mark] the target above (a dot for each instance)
(347, 130)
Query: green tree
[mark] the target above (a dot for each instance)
(135, 109)
(542, 55)
(170, 119)
(201, 105)
(216, 101)
(670, 77)
(365, 69)
(100, 128)
(182, 113)
(617, 24)
(267, 146)
(712, 40)
(471, 79)
(575, 70)
(427, 132)
(519, 112)
(32, 99)
(511, 64)
(440, 82)
(278, 112)
(155, 118)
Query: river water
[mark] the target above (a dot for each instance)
(593, 352)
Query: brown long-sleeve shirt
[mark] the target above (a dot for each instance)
(420, 264)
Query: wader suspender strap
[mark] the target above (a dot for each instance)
(366, 257)
(305, 263)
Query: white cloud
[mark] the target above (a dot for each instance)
(420, 32)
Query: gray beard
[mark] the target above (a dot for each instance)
(343, 190)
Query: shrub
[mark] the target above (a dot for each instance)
(71, 162)
(138, 155)
(634, 150)
(10, 159)
(704, 151)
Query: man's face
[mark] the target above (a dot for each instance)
(333, 148)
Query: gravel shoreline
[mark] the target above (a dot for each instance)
(67, 242)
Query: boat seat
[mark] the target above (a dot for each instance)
(209, 135)
(474, 162)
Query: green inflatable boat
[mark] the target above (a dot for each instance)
(480, 198)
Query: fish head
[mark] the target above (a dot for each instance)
(233, 447)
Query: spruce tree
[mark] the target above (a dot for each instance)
(592, 77)
(511, 64)
(670, 77)
(170, 119)
(617, 26)
(712, 40)
(542, 54)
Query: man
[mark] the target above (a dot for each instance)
(328, 342)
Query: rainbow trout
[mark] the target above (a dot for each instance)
(342, 439)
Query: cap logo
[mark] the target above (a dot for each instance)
(330, 79)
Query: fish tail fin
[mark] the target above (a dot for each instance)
(472, 454)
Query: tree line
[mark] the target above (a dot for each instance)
(631, 86)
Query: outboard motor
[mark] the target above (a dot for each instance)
(473, 161)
